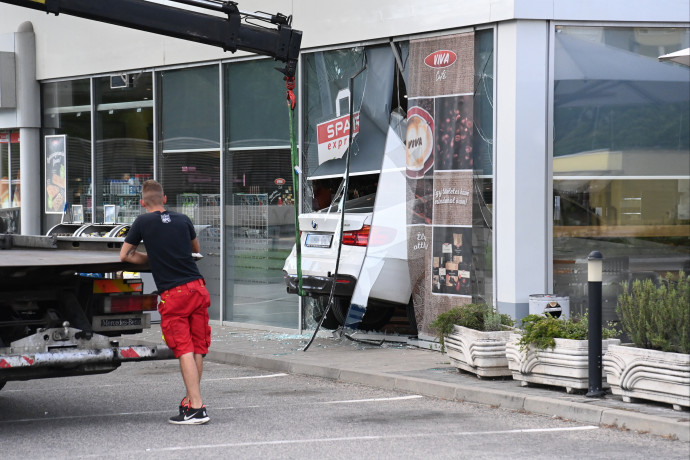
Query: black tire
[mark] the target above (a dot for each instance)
(2, 383)
(376, 316)
(340, 308)
(336, 315)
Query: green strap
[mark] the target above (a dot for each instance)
(295, 194)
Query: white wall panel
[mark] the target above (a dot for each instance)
(69, 46)
(621, 10)
(357, 20)
(521, 163)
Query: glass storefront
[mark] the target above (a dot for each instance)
(621, 150)
(124, 143)
(67, 111)
(259, 192)
(334, 80)
(379, 96)
(222, 153)
(188, 163)
(259, 206)
(10, 179)
(483, 168)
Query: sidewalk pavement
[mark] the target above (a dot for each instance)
(397, 365)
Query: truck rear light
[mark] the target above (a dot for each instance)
(357, 237)
(116, 285)
(129, 303)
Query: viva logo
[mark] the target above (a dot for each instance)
(441, 59)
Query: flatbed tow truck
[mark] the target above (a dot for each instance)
(65, 300)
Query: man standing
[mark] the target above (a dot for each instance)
(170, 240)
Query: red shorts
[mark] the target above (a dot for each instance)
(184, 318)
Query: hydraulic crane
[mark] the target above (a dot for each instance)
(233, 32)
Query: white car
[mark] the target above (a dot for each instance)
(388, 287)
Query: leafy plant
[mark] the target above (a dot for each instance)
(541, 331)
(657, 317)
(478, 316)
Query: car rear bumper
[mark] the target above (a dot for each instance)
(321, 285)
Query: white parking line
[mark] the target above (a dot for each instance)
(348, 401)
(45, 389)
(267, 376)
(360, 438)
(211, 408)
(24, 390)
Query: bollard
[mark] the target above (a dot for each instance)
(594, 277)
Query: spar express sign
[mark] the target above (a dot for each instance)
(333, 135)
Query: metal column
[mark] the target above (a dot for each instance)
(29, 123)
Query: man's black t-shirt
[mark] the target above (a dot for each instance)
(167, 237)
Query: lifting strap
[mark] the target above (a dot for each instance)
(291, 103)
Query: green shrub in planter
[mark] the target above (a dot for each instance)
(657, 317)
(541, 330)
(477, 316)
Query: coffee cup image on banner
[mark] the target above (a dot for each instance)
(419, 143)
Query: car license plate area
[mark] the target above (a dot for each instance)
(318, 240)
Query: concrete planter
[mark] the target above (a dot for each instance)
(566, 365)
(478, 352)
(638, 373)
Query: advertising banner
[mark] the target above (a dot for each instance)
(56, 173)
(439, 171)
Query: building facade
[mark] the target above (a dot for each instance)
(574, 138)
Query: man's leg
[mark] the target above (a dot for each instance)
(200, 334)
(199, 361)
(190, 367)
(195, 414)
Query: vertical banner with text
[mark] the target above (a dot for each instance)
(56, 173)
(439, 162)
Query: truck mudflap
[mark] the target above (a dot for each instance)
(66, 351)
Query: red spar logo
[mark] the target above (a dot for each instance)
(440, 59)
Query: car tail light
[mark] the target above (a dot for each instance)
(129, 303)
(357, 237)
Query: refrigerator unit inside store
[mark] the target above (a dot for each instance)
(89, 230)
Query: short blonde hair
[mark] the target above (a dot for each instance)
(152, 193)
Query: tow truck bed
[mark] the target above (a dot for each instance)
(52, 256)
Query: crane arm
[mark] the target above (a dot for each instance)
(279, 41)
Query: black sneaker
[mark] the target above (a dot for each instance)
(184, 404)
(191, 417)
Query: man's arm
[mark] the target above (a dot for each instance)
(128, 253)
(196, 247)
